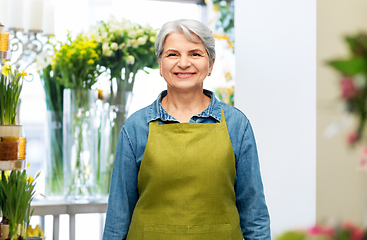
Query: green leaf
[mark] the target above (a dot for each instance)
(142, 50)
(349, 67)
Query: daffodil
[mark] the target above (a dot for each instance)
(6, 70)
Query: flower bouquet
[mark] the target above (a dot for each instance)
(77, 70)
(353, 82)
(126, 48)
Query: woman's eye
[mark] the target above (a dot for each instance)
(196, 55)
(172, 55)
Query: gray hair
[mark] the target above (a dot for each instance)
(186, 26)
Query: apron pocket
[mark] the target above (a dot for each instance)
(207, 232)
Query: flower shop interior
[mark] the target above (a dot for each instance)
(297, 69)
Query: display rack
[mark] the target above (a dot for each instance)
(12, 165)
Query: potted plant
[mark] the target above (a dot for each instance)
(11, 83)
(16, 193)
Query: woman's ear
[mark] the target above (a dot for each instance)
(160, 66)
(211, 63)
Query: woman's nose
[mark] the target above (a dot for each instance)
(184, 62)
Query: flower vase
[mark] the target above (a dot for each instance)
(54, 181)
(80, 138)
(112, 118)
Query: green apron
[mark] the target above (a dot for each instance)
(186, 184)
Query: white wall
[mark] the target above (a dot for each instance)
(276, 88)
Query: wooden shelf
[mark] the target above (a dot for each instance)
(12, 165)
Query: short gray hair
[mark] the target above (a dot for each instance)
(186, 26)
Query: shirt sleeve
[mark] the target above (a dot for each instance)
(123, 191)
(251, 205)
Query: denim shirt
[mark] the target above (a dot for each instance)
(250, 199)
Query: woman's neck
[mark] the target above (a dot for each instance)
(183, 105)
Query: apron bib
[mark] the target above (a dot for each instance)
(186, 184)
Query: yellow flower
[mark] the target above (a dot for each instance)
(34, 232)
(228, 76)
(22, 74)
(6, 70)
(30, 179)
(90, 61)
(7, 174)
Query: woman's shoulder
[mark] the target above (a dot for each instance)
(138, 118)
(233, 114)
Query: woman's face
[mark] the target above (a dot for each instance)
(184, 64)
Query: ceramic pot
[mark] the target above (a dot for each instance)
(11, 130)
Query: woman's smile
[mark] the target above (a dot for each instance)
(184, 74)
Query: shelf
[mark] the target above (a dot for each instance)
(12, 165)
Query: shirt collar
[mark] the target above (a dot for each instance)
(156, 110)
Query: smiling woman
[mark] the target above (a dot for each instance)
(186, 166)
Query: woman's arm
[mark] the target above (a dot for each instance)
(254, 216)
(123, 192)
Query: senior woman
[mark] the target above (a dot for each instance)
(186, 166)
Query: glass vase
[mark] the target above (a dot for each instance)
(80, 137)
(112, 118)
(54, 177)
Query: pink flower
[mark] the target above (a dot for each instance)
(321, 230)
(356, 233)
(352, 137)
(348, 88)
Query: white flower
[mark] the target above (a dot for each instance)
(43, 60)
(114, 46)
(98, 38)
(104, 35)
(128, 43)
(105, 45)
(107, 52)
(106, 49)
(132, 34)
(130, 59)
(139, 32)
(142, 40)
(134, 43)
(153, 38)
